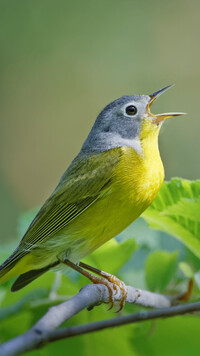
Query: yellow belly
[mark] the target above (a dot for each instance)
(136, 182)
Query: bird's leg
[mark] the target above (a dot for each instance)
(111, 278)
(93, 279)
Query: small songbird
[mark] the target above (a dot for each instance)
(113, 179)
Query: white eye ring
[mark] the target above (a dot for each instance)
(131, 110)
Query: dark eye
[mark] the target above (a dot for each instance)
(131, 110)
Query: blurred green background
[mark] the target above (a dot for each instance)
(62, 61)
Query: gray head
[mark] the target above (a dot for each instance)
(121, 122)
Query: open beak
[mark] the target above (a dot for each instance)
(161, 117)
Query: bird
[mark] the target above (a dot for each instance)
(113, 179)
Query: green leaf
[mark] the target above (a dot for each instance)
(186, 269)
(112, 255)
(160, 268)
(176, 210)
(169, 336)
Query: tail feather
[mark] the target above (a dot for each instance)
(12, 259)
(6, 274)
(6, 269)
(26, 278)
(22, 264)
(14, 265)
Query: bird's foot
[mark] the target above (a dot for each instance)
(117, 282)
(111, 287)
(111, 281)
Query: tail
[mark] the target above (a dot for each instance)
(28, 277)
(13, 266)
(6, 274)
(22, 266)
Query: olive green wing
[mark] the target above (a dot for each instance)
(85, 181)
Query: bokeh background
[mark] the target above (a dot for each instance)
(62, 61)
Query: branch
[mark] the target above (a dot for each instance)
(44, 330)
(123, 320)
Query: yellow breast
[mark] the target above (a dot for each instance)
(136, 181)
(141, 174)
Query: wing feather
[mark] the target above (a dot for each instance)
(86, 179)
